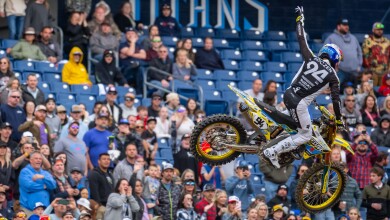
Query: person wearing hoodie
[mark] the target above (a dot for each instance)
(74, 72)
(167, 25)
(102, 40)
(26, 49)
(352, 52)
(375, 53)
(15, 12)
(107, 73)
(384, 90)
(381, 135)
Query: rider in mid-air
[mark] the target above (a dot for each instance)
(315, 76)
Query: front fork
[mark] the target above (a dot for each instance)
(325, 176)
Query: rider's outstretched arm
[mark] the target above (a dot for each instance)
(305, 50)
(334, 85)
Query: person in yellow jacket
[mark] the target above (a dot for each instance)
(74, 72)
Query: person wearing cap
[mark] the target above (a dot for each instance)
(52, 119)
(77, 179)
(152, 52)
(38, 127)
(149, 140)
(100, 15)
(127, 106)
(26, 49)
(74, 71)
(184, 158)
(167, 25)
(5, 134)
(106, 71)
(206, 206)
(381, 136)
(375, 53)
(233, 208)
(97, 139)
(103, 40)
(13, 113)
(155, 106)
(39, 208)
(85, 215)
(110, 101)
(363, 160)
(75, 115)
(48, 46)
(350, 111)
(172, 103)
(281, 198)
(130, 53)
(277, 212)
(164, 63)
(31, 91)
(351, 65)
(168, 194)
(125, 137)
(240, 185)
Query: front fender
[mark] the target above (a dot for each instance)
(343, 143)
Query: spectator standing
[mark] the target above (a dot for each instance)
(163, 63)
(106, 71)
(207, 57)
(38, 127)
(52, 120)
(15, 12)
(184, 158)
(149, 140)
(60, 207)
(13, 113)
(183, 68)
(186, 208)
(206, 207)
(26, 49)
(168, 194)
(31, 92)
(63, 186)
(5, 134)
(124, 137)
(167, 25)
(125, 18)
(382, 161)
(155, 107)
(35, 184)
(212, 174)
(162, 125)
(77, 33)
(376, 196)
(114, 109)
(376, 53)
(74, 71)
(125, 168)
(102, 40)
(96, 140)
(152, 31)
(100, 15)
(352, 52)
(74, 148)
(362, 161)
(240, 185)
(128, 107)
(49, 48)
(38, 15)
(103, 183)
(77, 180)
(381, 136)
(184, 124)
(7, 173)
(75, 116)
(350, 113)
(384, 89)
(233, 209)
(151, 186)
(121, 203)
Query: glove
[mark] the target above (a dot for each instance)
(340, 125)
(299, 13)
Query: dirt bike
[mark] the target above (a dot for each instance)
(220, 139)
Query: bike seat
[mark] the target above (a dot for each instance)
(276, 115)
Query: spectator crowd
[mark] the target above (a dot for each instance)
(128, 161)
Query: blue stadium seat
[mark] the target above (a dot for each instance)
(166, 153)
(23, 65)
(251, 45)
(323, 99)
(85, 98)
(123, 90)
(252, 35)
(243, 85)
(277, 77)
(274, 35)
(230, 64)
(224, 75)
(280, 97)
(161, 161)
(204, 32)
(275, 66)
(223, 84)
(59, 87)
(51, 77)
(216, 107)
(66, 98)
(8, 43)
(293, 46)
(292, 36)
(204, 74)
(291, 57)
(169, 41)
(187, 92)
(227, 34)
(314, 112)
(45, 67)
(247, 75)
(45, 87)
(212, 94)
(325, 36)
(229, 95)
(251, 65)
(206, 84)
(82, 89)
(221, 43)
(255, 55)
(146, 102)
(288, 77)
(315, 47)
(181, 84)
(275, 46)
(231, 54)
(294, 67)
(251, 158)
(187, 32)
(163, 143)
(197, 42)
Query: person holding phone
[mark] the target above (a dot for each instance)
(61, 206)
(234, 209)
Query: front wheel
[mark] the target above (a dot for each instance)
(308, 193)
(210, 137)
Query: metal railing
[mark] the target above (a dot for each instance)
(60, 36)
(147, 85)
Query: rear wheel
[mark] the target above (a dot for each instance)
(209, 139)
(308, 193)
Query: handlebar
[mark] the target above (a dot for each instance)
(325, 112)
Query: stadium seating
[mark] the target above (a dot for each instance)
(205, 32)
(255, 55)
(252, 35)
(274, 36)
(231, 54)
(228, 34)
(247, 75)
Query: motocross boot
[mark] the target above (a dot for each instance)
(283, 146)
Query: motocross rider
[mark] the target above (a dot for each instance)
(315, 75)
